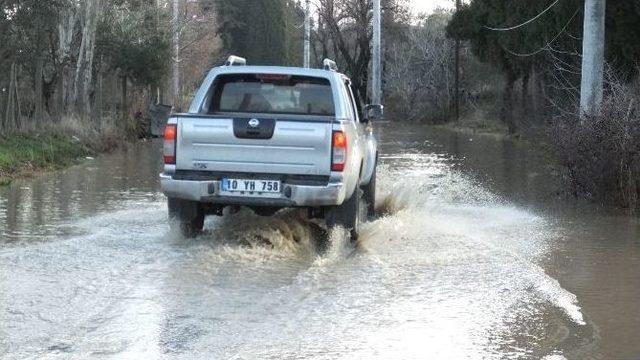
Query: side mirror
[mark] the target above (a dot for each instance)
(373, 112)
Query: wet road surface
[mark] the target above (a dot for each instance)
(475, 258)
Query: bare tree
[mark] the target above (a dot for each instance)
(344, 32)
(347, 36)
(419, 72)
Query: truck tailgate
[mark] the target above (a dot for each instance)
(296, 147)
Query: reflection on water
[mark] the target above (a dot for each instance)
(475, 257)
(37, 209)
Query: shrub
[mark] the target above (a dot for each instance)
(602, 153)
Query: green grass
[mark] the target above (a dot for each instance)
(23, 154)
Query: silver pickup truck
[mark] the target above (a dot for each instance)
(270, 138)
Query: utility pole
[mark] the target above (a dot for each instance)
(456, 100)
(176, 55)
(592, 57)
(307, 34)
(376, 81)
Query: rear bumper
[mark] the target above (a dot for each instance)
(293, 195)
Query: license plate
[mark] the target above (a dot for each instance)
(250, 187)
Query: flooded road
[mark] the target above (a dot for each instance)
(476, 258)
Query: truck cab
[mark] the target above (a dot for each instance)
(270, 138)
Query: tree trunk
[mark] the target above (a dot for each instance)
(2, 105)
(507, 99)
(124, 107)
(97, 109)
(60, 98)
(66, 29)
(38, 113)
(38, 100)
(176, 56)
(524, 95)
(13, 114)
(540, 98)
(19, 124)
(114, 95)
(456, 96)
(84, 67)
(10, 113)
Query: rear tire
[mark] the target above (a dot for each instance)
(347, 215)
(369, 195)
(186, 216)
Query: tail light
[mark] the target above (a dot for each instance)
(169, 146)
(339, 151)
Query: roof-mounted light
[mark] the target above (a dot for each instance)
(329, 65)
(235, 61)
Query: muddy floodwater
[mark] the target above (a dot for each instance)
(476, 257)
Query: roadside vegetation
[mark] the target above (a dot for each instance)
(602, 153)
(524, 82)
(76, 78)
(535, 94)
(24, 154)
(420, 77)
(54, 147)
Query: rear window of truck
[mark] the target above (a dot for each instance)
(272, 94)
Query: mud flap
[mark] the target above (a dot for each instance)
(183, 210)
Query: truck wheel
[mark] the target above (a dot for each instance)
(369, 195)
(186, 216)
(347, 215)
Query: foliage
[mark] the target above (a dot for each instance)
(25, 26)
(28, 34)
(623, 31)
(133, 39)
(545, 54)
(294, 20)
(500, 47)
(255, 29)
(59, 68)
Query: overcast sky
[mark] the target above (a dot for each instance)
(429, 5)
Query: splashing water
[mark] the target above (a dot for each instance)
(448, 270)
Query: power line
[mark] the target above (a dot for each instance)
(548, 44)
(526, 22)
